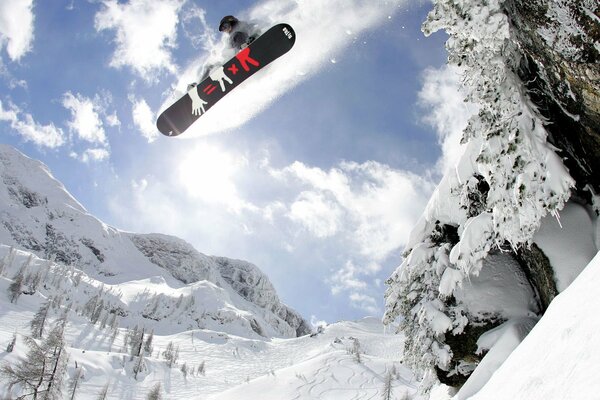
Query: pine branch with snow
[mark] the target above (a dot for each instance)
(507, 180)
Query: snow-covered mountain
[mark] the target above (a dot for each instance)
(38, 215)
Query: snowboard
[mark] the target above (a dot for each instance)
(269, 46)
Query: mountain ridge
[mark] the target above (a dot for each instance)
(39, 215)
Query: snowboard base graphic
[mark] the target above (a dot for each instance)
(269, 46)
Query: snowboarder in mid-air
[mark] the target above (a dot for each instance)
(251, 53)
(241, 34)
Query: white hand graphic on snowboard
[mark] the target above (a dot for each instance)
(197, 103)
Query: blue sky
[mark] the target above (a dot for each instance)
(318, 186)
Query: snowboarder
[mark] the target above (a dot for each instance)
(241, 34)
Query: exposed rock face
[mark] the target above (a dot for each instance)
(253, 285)
(533, 69)
(561, 67)
(176, 256)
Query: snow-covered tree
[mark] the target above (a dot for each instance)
(39, 320)
(508, 179)
(90, 306)
(7, 260)
(184, 370)
(148, 348)
(95, 316)
(11, 345)
(201, 369)
(171, 354)
(140, 365)
(136, 342)
(355, 350)
(15, 289)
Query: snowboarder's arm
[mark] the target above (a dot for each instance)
(239, 39)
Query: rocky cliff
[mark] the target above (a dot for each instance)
(530, 165)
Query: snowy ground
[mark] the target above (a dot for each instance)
(318, 367)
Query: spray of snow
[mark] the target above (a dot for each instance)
(323, 32)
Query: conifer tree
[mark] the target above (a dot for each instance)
(171, 354)
(155, 393)
(356, 350)
(8, 259)
(15, 289)
(184, 371)
(39, 320)
(12, 343)
(201, 369)
(104, 392)
(387, 387)
(148, 348)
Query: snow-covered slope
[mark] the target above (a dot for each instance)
(37, 214)
(558, 360)
(218, 365)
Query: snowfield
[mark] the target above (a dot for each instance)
(313, 366)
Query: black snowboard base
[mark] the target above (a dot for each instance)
(269, 46)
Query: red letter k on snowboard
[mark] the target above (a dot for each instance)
(245, 59)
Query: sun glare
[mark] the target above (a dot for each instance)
(208, 173)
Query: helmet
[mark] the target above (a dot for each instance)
(228, 20)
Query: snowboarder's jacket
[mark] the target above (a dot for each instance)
(242, 34)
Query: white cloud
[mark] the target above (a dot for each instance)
(85, 118)
(356, 282)
(112, 120)
(364, 302)
(92, 155)
(372, 204)
(144, 118)
(31, 131)
(16, 27)
(323, 29)
(442, 99)
(322, 217)
(146, 32)
(348, 278)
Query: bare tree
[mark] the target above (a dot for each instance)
(43, 369)
(75, 382)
